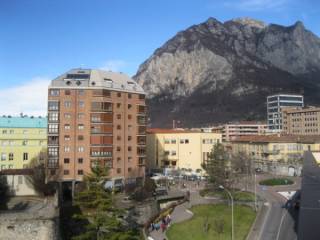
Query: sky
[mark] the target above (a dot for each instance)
(41, 39)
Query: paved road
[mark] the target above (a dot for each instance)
(279, 223)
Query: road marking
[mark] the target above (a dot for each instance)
(265, 220)
(281, 222)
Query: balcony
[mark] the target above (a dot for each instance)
(142, 110)
(141, 161)
(53, 140)
(141, 120)
(141, 130)
(141, 151)
(141, 140)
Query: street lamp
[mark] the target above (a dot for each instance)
(232, 222)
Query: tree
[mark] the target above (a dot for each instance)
(4, 188)
(218, 167)
(242, 167)
(37, 178)
(102, 219)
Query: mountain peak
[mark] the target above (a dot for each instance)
(249, 22)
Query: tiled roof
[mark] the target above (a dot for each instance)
(278, 139)
(166, 130)
(23, 122)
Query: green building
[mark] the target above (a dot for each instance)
(21, 140)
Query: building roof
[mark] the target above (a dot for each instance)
(278, 139)
(300, 110)
(246, 123)
(167, 130)
(95, 78)
(23, 122)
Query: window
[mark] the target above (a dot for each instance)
(129, 95)
(54, 92)
(53, 152)
(4, 131)
(10, 166)
(80, 149)
(53, 128)
(129, 149)
(66, 149)
(118, 159)
(67, 104)
(173, 141)
(81, 92)
(166, 141)
(129, 106)
(118, 138)
(25, 143)
(118, 170)
(67, 115)
(119, 94)
(67, 126)
(129, 127)
(186, 141)
(118, 149)
(65, 172)
(118, 105)
(10, 156)
(141, 96)
(53, 116)
(11, 131)
(80, 172)
(129, 138)
(3, 157)
(118, 116)
(118, 127)
(80, 137)
(80, 160)
(66, 160)
(53, 105)
(80, 115)
(80, 126)
(129, 116)
(129, 169)
(81, 104)
(25, 156)
(129, 159)
(67, 92)
(66, 137)
(173, 153)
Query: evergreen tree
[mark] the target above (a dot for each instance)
(100, 217)
(218, 167)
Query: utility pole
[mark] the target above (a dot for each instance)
(255, 191)
(232, 217)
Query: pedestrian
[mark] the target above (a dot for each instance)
(162, 227)
(157, 226)
(152, 226)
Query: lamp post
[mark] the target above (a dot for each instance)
(232, 222)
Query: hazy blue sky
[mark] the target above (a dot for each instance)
(40, 39)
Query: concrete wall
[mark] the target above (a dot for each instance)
(19, 186)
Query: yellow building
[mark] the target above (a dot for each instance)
(21, 139)
(275, 148)
(179, 149)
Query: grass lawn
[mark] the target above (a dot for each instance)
(237, 195)
(276, 181)
(217, 217)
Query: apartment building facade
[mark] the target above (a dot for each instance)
(179, 149)
(21, 140)
(269, 149)
(301, 121)
(276, 103)
(235, 130)
(96, 117)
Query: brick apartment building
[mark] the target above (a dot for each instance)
(96, 117)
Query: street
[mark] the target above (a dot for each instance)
(278, 223)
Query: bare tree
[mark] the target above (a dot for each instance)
(242, 168)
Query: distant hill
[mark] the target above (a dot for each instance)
(217, 72)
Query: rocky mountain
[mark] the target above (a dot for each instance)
(218, 72)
